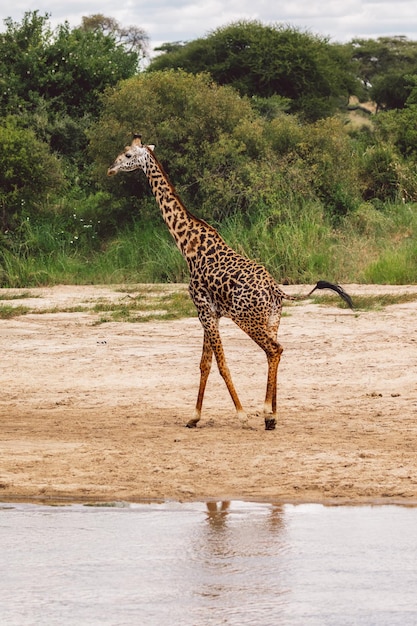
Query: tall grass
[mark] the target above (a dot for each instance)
(297, 244)
(295, 248)
(143, 252)
(394, 267)
(382, 243)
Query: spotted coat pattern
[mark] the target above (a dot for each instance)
(222, 283)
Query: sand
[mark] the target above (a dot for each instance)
(96, 412)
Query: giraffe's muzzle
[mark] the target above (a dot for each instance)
(112, 171)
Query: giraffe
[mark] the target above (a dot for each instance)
(222, 283)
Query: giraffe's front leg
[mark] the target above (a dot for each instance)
(205, 366)
(225, 374)
(212, 344)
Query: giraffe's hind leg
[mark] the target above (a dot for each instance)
(273, 353)
(273, 350)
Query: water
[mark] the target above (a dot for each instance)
(194, 564)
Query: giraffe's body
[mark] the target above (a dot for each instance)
(222, 282)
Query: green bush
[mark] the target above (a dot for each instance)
(317, 161)
(386, 176)
(399, 129)
(221, 155)
(202, 134)
(29, 173)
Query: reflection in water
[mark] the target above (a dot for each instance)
(217, 513)
(239, 562)
(197, 564)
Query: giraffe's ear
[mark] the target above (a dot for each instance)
(151, 147)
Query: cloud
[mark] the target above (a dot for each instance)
(183, 20)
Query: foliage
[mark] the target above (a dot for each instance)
(395, 266)
(223, 157)
(385, 176)
(294, 245)
(53, 80)
(399, 129)
(382, 243)
(68, 68)
(201, 132)
(22, 61)
(29, 173)
(249, 144)
(326, 155)
(83, 63)
(369, 245)
(266, 61)
(387, 156)
(64, 251)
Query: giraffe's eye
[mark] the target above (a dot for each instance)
(128, 155)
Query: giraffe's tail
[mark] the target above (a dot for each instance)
(324, 284)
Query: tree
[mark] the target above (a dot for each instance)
(391, 90)
(412, 98)
(83, 64)
(398, 128)
(224, 158)
(132, 38)
(266, 61)
(23, 61)
(54, 79)
(385, 66)
(68, 68)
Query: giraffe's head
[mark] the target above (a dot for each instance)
(134, 157)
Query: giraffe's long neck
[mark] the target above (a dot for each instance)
(188, 231)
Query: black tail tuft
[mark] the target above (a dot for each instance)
(323, 284)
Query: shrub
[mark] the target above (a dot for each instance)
(323, 157)
(203, 134)
(385, 176)
(29, 172)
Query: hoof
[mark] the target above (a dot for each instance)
(270, 423)
(191, 424)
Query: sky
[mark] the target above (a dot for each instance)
(182, 20)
